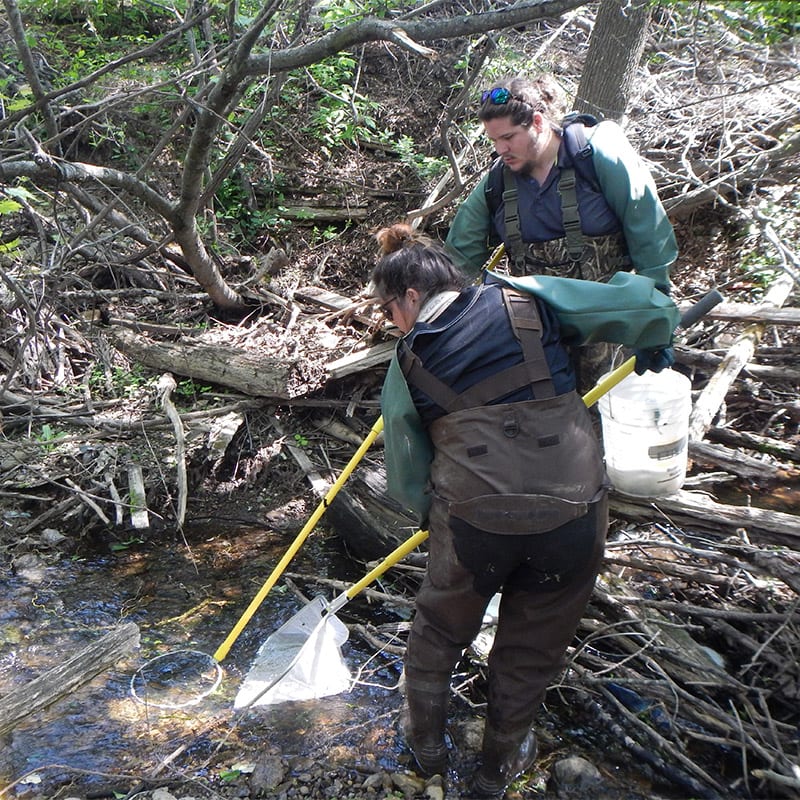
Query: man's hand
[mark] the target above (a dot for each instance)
(653, 360)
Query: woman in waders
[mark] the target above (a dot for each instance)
(516, 491)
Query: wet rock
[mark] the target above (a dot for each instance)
(408, 784)
(470, 734)
(50, 537)
(575, 774)
(434, 789)
(267, 774)
(162, 794)
(377, 780)
(31, 567)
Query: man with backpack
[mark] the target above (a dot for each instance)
(567, 196)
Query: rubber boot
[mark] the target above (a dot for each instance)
(505, 756)
(425, 729)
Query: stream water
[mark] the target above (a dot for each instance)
(186, 596)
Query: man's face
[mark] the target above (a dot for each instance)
(517, 145)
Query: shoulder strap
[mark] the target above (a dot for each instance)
(514, 244)
(578, 157)
(578, 149)
(524, 315)
(493, 189)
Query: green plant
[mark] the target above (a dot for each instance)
(244, 223)
(118, 547)
(300, 440)
(426, 167)
(101, 17)
(766, 21)
(8, 206)
(189, 391)
(336, 124)
(342, 115)
(48, 438)
(118, 382)
(327, 234)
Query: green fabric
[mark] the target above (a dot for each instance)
(631, 192)
(407, 446)
(468, 238)
(627, 310)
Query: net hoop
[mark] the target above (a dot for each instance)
(141, 696)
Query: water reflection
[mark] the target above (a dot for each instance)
(185, 600)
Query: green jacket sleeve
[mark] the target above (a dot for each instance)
(468, 239)
(631, 192)
(408, 448)
(627, 310)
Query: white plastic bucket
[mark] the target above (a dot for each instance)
(645, 420)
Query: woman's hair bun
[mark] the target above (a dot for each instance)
(394, 237)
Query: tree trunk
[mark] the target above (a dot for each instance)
(255, 375)
(615, 49)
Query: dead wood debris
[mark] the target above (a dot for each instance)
(689, 650)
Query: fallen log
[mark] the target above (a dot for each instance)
(370, 523)
(691, 357)
(361, 360)
(699, 512)
(751, 312)
(711, 398)
(68, 676)
(753, 441)
(255, 374)
(741, 465)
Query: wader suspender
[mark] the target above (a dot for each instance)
(569, 214)
(533, 370)
(514, 244)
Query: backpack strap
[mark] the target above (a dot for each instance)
(514, 244)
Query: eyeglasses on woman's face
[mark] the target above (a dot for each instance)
(386, 307)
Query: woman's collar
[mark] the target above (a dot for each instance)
(435, 305)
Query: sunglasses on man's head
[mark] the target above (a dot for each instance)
(499, 96)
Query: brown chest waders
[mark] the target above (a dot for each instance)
(515, 468)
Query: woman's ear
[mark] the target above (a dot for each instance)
(413, 295)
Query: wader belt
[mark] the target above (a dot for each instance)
(602, 257)
(533, 371)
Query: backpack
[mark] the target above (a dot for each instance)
(578, 158)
